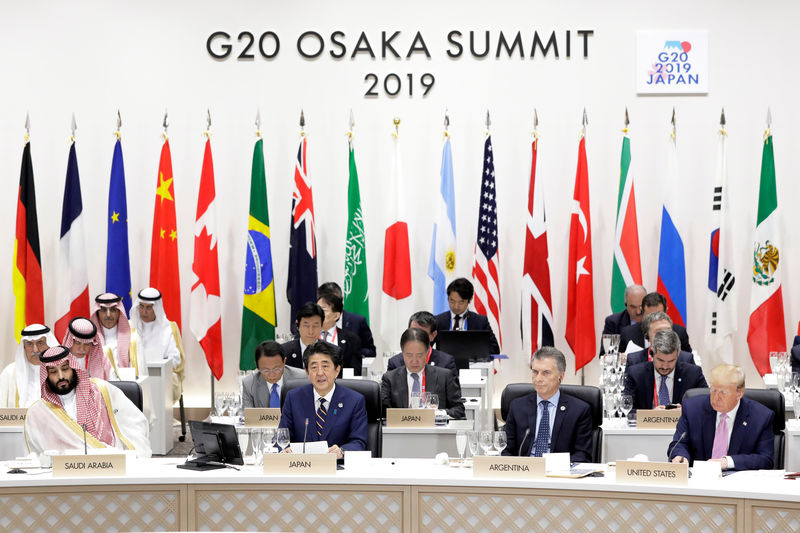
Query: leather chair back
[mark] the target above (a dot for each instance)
(132, 391)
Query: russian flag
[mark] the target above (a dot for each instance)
(73, 277)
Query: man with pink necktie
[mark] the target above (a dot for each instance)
(724, 426)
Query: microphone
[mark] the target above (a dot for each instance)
(527, 432)
(305, 433)
(85, 450)
(672, 448)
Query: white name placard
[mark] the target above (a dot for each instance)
(652, 473)
(11, 416)
(94, 465)
(422, 418)
(301, 464)
(267, 417)
(657, 418)
(508, 467)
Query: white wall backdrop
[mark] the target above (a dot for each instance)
(93, 57)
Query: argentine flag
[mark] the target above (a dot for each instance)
(442, 265)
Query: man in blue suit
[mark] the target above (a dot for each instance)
(724, 426)
(335, 414)
(352, 322)
(459, 317)
(427, 322)
(549, 420)
(632, 314)
(663, 380)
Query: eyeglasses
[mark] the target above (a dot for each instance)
(271, 370)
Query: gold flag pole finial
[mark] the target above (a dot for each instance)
(165, 125)
(27, 127)
(722, 122)
(396, 122)
(351, 126)
(73, 127)
(535, 123)
(768, 133)
(302, 123)
(117, 133)
(584, 122)
(673, 133)
(488, 123)
(627, 122)
(446, 122)
(207, 133)
(258, 123)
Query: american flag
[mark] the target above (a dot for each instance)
(486, 268)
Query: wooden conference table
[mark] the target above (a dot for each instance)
(394, 495)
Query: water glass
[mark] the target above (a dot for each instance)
(255, 441)
(282, 438)
(461, 443)
(626, 405)
(500, 441)
(472, 439)
(219, 403)
(486, 442)
(416, 401)
(606, 343)
(432, 400)
(796, 405)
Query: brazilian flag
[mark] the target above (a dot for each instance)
(258, 310)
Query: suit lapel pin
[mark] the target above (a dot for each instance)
(340, 405)
(294, 355)
(744, 423)
(563, 408)
(334, 411)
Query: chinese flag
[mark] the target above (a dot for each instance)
(164, 273)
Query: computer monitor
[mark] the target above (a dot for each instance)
(216, 446)
(465, 346)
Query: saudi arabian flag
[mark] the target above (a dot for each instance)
(356, 287)
(258, 312)
(627, 269)
(766, 332)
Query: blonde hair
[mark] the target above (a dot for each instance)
(727, 375)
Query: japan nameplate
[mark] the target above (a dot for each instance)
(267, 417)
(652, 473)
(300, 464)
(508, 467)
(410, 418)
(12, 416)
(657, 418)
(95, 465)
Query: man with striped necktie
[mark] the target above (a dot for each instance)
(335, 414)
(725, 426)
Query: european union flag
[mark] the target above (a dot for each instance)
(118, 265)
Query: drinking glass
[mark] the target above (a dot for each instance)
(432, 400)
(242, 436)
(416, 401)
(615, 342)
(773, 362)
(283, 438)
(486, 442)
(608, 402)
(461, 443)
(472, 440)
(606, 343)
(219, 403)
(500, 442)
(627, 405)
(255, 439)
(268, 440)
(795, 382)
(796, 405)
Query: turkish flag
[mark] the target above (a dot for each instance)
(580, 332)
(164, 272)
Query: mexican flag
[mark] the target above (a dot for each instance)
(766, 330)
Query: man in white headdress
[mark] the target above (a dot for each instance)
(159, 338)
(72, 401)
(87, 347)
(19, 382)
(119, 344)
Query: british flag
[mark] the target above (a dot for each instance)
(486, 267)
(301, 286)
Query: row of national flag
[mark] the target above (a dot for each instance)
(259, 319)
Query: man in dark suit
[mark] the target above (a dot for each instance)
(651, 303)
(352, 322)
(348, 342)
(652, 324)
(459, 317)
(632, 314)
(415, 376)
(663, 380)
(309, 321)
(796, 354)
(263, 388)
(426, 322)
(548, 420)
(337, 415)
(724, 426)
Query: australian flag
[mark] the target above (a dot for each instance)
(301, 286)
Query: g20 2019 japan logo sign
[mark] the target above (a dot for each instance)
(672, 62)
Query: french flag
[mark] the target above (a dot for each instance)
(73, 278)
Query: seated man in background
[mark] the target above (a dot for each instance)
(663, 380)
(159, 337)
(19, 382)
(87, 347)
(309, 322)
(119, 343)
(415, 376)
(651, 303)
(652, 324)
(548, 420)
(725, 426)
(352, 322)
(263, 389)
(459, 317)
(337, 415)
(632, 314)
(71, 400)
(348, 343)
(427, 322)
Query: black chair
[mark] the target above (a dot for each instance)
(132, 390)
(771, 399)
(372, 396)
(590, 395)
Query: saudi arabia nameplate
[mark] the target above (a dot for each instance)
(95, 465)
(267, 417)
(12, 416)
(410, 418)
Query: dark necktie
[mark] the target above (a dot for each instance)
(457, 323)
(275, 397)
(663, 392)
(542, 443)
(321, 414)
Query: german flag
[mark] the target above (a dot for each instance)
(26, 272)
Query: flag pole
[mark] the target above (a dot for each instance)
(207, 135)
(27, 127)
(165, 125)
